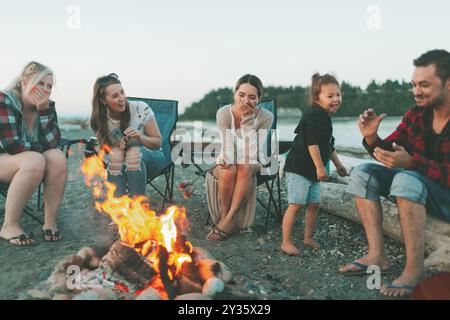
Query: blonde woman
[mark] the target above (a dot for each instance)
(29, 136)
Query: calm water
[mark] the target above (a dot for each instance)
(346, 132)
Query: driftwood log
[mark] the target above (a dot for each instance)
(437, 232)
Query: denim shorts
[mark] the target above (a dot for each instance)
(372, 181)
(301, 190)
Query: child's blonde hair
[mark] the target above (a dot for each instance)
(318, 81)
(33, 72)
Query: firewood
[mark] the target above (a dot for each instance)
(149, 294)
(163, 256)
(186, 285)
(123, 261)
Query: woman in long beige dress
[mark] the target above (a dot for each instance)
(231, 184)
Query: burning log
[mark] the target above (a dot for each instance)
(187, 285)
(164, 272)
(123, 261)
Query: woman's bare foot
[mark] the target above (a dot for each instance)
(312, 243)
(289, 248)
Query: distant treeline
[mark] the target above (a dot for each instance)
(390, 97)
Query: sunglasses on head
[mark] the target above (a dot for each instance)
(105, 79)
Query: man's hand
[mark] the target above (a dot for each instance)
(397, 159)
(368, 123)
(322, 174)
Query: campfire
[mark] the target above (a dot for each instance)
(152, 259)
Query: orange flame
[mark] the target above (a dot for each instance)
(139, 226)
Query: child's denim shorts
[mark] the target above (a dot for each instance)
(301, 190)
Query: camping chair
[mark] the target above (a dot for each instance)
(166, 113)
(272, 180)
(64, 145)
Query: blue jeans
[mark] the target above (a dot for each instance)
(372, 181)
(152, 162)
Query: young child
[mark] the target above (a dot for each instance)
(312, 148)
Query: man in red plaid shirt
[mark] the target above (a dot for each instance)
(415, 172)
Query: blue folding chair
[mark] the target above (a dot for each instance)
(166, 113)
(268, 180)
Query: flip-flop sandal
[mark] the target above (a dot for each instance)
(408, 287)
(23, 240)
(362, 270)
(54, 235)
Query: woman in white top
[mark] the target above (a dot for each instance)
(231, 184)
(129, 128)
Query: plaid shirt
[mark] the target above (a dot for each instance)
(412, 135)
(12, 138)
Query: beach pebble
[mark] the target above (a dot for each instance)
(97, 294)
(62, 297)
(201, 254)
(39, 295)
(193, 296)
(149, 294)
(57, 282)
(213, 287)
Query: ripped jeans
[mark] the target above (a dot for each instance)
(132, 168)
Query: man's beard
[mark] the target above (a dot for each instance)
(438, 102)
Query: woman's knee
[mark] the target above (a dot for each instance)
(55, 161)
(33, 163)
(245, 170)
(133, 159)
(116, 160)
(227, 174)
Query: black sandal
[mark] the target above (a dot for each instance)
(54, 235)
(24, 240)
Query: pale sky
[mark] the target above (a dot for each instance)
(181, 49)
